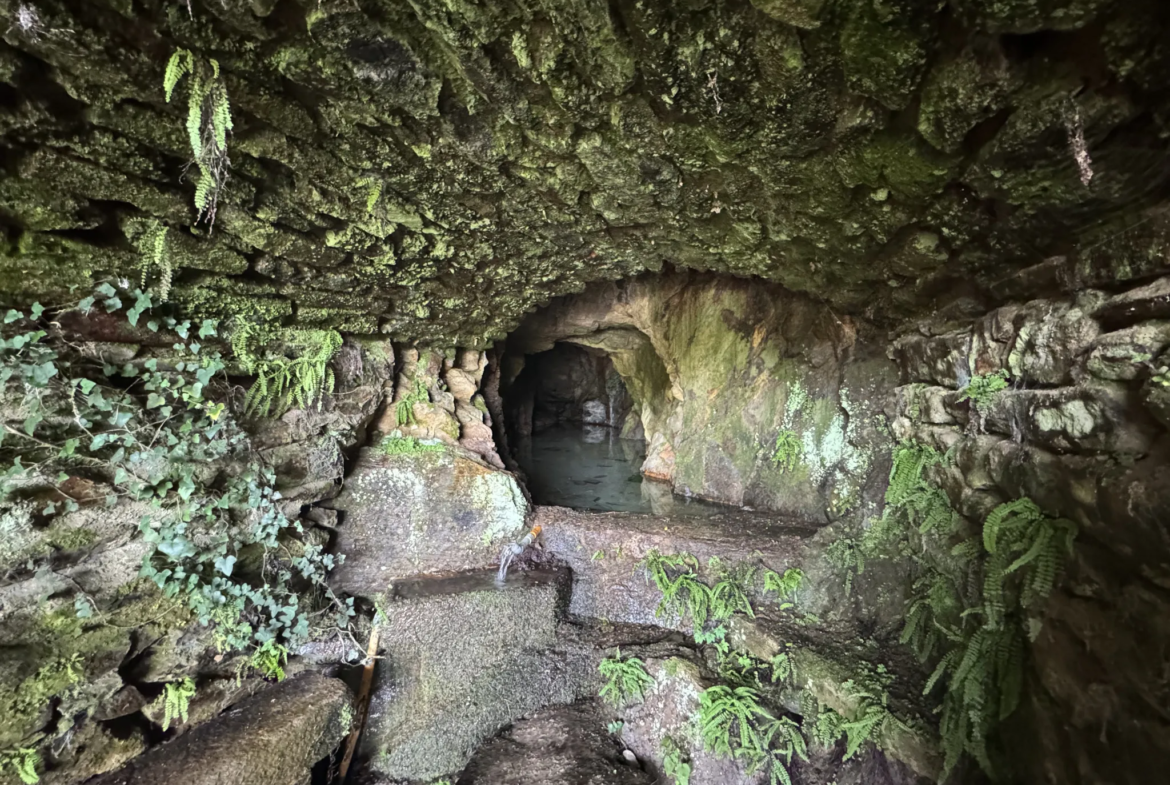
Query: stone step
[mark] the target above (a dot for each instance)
(462, 658)
(604, 550)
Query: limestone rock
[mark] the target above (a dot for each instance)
(430, 511)
(273, 738)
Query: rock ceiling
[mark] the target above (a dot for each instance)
(432, 169)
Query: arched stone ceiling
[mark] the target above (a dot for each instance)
(434, 168)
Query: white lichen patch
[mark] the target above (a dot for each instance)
(501, 504)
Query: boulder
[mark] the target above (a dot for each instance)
(431, 510)
(273, 738)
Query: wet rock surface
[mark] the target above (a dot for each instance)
(562, 746)
(604, 552)
(464, 657)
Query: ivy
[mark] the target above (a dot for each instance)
(149, 431)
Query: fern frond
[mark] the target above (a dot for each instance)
(180, 64)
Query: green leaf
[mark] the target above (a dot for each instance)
(86, 385)
(154, 400)
(69, 448)
(86, 305)
(225, 564)
(12, 316)
(31, 422)
(207, 329)
(152, 325)
(105, 290)
(112, 304)
(37, 310)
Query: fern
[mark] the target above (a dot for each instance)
(208, 122)
(285, 382)
(674, 765)
(982, 389)
(270, 659)
(176, 701)
(784, 586)
(868, 721)
(626, 680)
(729, 595)
(154, 244)
(182, 62)
(682, 592)
(733, 724)
(788, 450)
(1018, 536)
(373, 188)
(24, 762)
(404, 408)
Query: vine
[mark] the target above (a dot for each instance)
(147, 431)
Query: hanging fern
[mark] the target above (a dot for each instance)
(208, 122)
(176, 700)
(154, 245)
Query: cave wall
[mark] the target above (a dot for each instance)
(719, 368)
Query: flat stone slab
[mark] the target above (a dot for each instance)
(462, 658)
(603, 550)
(427, 512)
(272, 738)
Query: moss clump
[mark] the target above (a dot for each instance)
(407, 445)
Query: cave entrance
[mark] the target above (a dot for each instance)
(576, 433)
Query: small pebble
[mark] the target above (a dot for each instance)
(630, 756)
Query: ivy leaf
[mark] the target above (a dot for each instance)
(154, 400)
(82, 607)
(69, 448)
(152, 325)
(186, 488)
(37, 310)
(86, 386)
(183, 329)
(86, 305)
(31, 422)
(207, 329)
(11, 316)
(105, 290)
(225, 564)
(112, 304)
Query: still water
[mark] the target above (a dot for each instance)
(590, 468)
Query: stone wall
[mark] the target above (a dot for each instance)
(1081, 430)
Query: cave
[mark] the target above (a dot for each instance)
(705, 393)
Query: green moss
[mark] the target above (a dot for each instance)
(883, 50)
(71, 539)
(407, 445)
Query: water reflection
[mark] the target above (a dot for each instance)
(590, 468)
